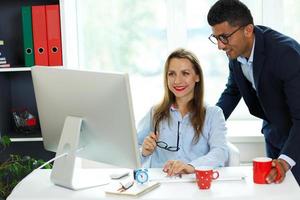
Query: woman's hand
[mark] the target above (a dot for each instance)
(149, 144)
(177, 167)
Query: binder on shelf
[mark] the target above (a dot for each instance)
(53, 35)
(27, 36)
(39, 30)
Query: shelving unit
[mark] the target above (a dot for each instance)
(16, 87)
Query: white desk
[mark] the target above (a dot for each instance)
(38, 186)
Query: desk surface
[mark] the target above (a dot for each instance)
(39, 186)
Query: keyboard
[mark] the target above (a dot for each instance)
(156, 174)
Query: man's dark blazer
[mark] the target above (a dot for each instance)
(276, 71)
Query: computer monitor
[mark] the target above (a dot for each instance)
(87, 114)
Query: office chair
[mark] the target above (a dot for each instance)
(234, 155)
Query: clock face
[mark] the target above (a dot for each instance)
(141, 176)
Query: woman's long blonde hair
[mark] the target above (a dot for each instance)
(195, 106)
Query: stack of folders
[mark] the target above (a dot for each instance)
(3, 60)
(42, 35)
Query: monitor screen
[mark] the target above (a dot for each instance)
(95, 111)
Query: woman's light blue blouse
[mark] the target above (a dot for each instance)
(210, 150)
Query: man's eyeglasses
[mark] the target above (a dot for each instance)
(223, 37)
(164, 145)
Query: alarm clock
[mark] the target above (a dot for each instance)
(141, 175)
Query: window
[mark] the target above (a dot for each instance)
(136, 37)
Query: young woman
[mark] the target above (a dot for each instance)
(182, 133)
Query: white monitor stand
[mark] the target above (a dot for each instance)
(66, 171)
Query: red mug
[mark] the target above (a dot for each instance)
(204, 176)
(261, 168)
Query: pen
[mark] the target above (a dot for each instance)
(125, 186)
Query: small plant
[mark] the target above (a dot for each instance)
(4, 142)
(14, 169)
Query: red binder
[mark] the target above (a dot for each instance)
(39, 32)
(53, 35)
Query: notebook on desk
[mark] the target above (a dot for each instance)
(134, 190)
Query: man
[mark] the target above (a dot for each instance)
(264, 69)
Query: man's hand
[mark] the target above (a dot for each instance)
(149, 144)
(277, 173)
(177, 167)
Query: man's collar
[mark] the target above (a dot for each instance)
(243, 60)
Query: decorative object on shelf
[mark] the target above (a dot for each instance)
(25, 122)
(13, 170)
(3, 61)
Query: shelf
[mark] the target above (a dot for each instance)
(14, 134)
(27, 139)
(16, 86)
(15, 69)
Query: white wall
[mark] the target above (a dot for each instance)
(246, 136)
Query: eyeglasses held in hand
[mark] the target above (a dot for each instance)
(223, 37)
(164, 145)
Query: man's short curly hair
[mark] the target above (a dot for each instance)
(233, 11)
